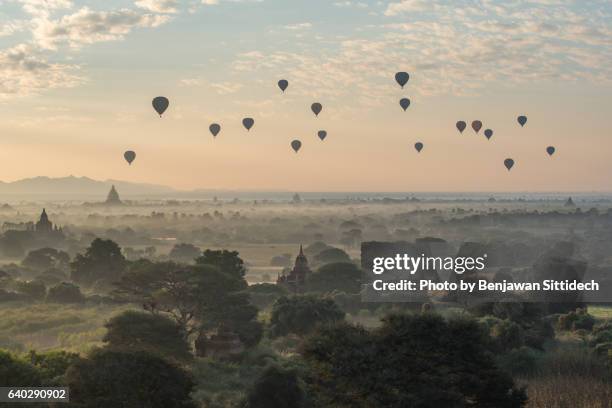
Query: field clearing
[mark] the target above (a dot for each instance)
(601, 312)
(46, 326)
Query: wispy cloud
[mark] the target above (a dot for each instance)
(298, 26)
(88, 26)
(25, 67)
(159, 6)
(221, 88)
(454, 47)
(24, 71)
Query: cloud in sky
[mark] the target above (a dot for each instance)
(298, 26)
(87, 26)
(215, 2)
(24, 67)
(23, 71)
(158, 6)
(454, 48)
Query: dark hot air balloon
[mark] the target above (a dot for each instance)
(550, 150)
(160, 104)
(476, 125)
(316, 108)
(402, 78)
(296, 145)
(522, 120)
(283, 84)
(488, 133)
(461, 126)
(129, 156)
(404, 103)
(418, 146)
(509, 163)
(215, 128)
(322, 134)
(248, 123)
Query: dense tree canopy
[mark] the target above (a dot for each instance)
(340, 276)
(198, 297)
(46, 258)
(419, 361)
(331, 255)
(102, 261)
(132, 330)
(17, 372)
(110, 378)
(276, 387)
(300, 315)
(65, 292)
(228, 262)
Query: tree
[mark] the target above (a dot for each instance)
(132, 330)
(65, 292)
(52, 365)
(102, 260)
(33, 289)
(111, 378)
(199, 297)
(419, 361)
(302, 314)
(46, 258)
(228, 262)
(341, 276)
(276, 387)
(331, 255)
(185, 253)
(17, 372)
(166, 287)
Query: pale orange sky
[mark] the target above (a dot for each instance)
(74, 104)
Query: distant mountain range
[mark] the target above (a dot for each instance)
(78, 187)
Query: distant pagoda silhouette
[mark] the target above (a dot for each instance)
(295, 279)
(113, 197)
(570, 202)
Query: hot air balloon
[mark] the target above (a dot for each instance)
(283, 84)
(418, 146)
(488, 133)
(296, 145)
(129, 156)
(550, 150)
(316, 108)
(404, 103)
(509, 163)
(461, 126)
(476, 125)
(402, 78)
(215, 128)
(248, 123)
(322, 134)
(522, 120)
(160, 104)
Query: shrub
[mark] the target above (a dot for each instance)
(17, 372)
(576, 320)
(65, 292)
(507, 335)
(519, 362)
(34, 289)
(276, 387)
